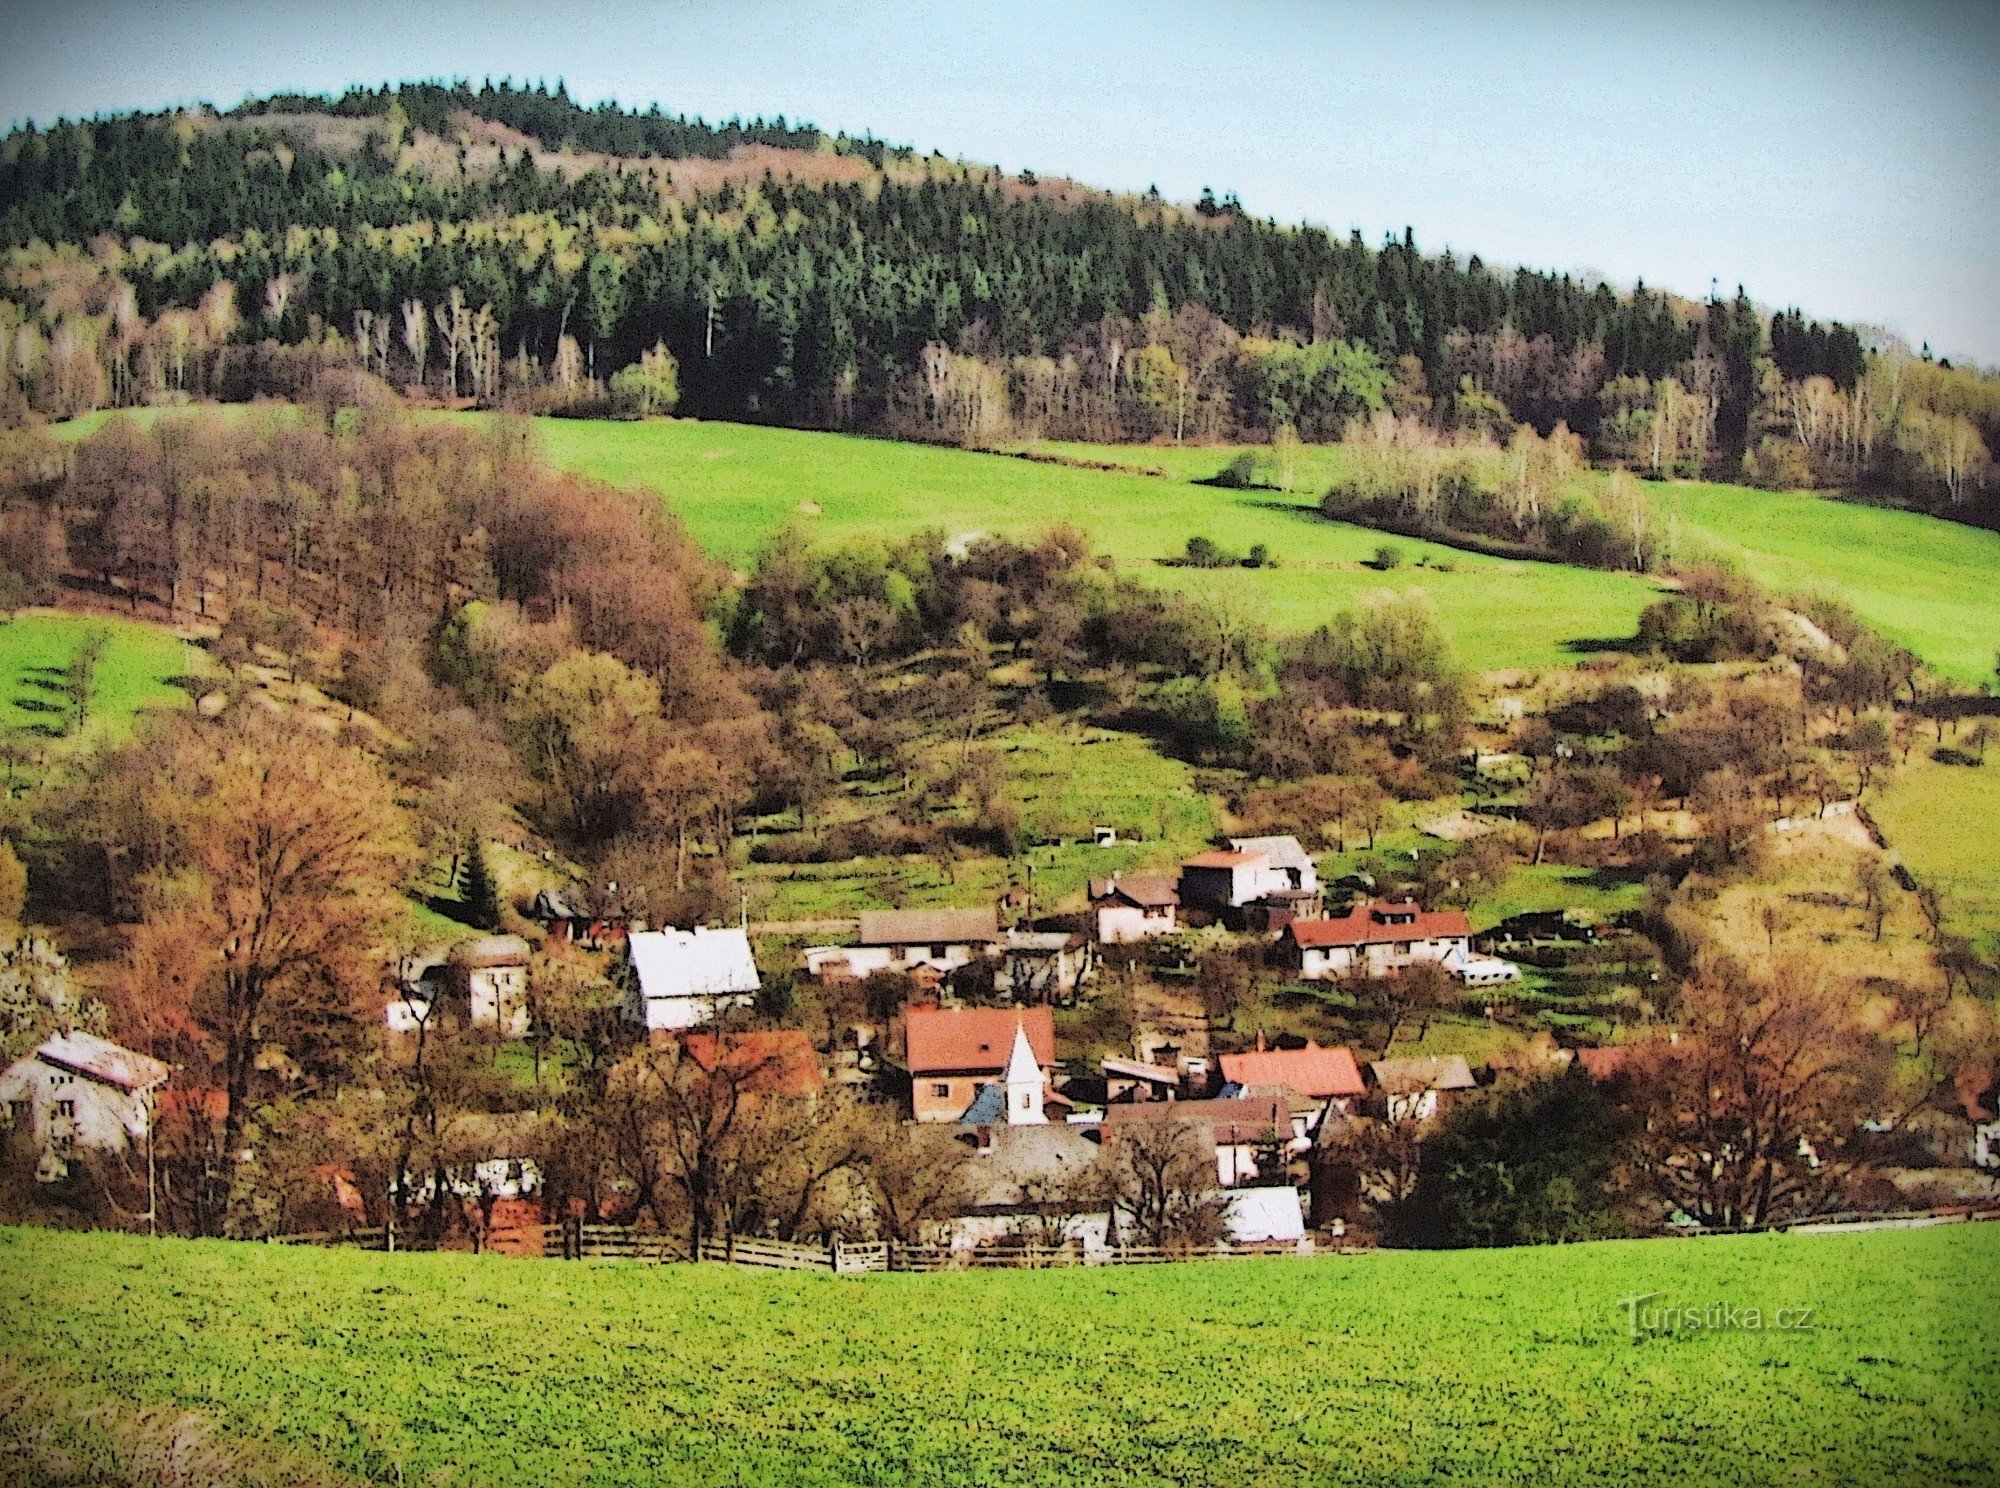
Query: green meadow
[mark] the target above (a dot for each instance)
(735, 485)
(136, 671)
(1391, 1368)
(1942, 820)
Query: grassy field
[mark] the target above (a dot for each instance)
(1510, 1366)
(137, 671)
(737, 484)
(1929, 585)
(1943, 820)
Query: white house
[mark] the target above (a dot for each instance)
(685, 978)
(490, 972)
(1415, 1089)
(1135, 908)
(908, 939)
(77, 1092)
(1377, 940)
(1249, 869)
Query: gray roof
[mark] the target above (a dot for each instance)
(892, 927)
(1023, 1155)
(1147, 890)
(1280, 852)
(1415, 1076)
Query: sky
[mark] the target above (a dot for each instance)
(1838, 156)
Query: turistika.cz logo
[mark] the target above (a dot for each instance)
(1646, 1316)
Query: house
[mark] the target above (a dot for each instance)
(79, 1093)
(768, 1062)
(1044, 966)
(1417, 1089)
(489, 974)
(1136, 1080)
(565, 920)
(1243, 1131)
(1329, 1076)
(909, 940)
(1376, 940)
(1274, 873)
(685, 978)
(954, 1053)
(1124, 909)
(1288, 867)
(1979, 1098)
(1264, 1216)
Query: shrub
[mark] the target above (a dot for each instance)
(1388, 557)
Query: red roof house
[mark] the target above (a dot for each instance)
(952, 1052)
(1378, 940)
(1315, 1072)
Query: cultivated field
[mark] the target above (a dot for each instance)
(1392, 1368)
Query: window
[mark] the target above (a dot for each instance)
(65, 1110)
(938, 952)
(941, 1089)
(1025, 1099)
(17, 1112)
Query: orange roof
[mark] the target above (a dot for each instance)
(773, 1061)
(974, 1040)
(1221, 858)
(1376, 924)
(1311, 1071)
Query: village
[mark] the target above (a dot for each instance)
(962, 1038)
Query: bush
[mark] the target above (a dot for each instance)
(1388, 557)
(1239, 474)
(1203, 552)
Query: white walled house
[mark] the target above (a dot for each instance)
(1378, 940)
(1141, 907)
(80, 1093)
(1249, 869)
(686, 978)
(1416, 1089)
(490, 974)
(907, 940)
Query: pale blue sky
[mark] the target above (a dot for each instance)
(1836, 155)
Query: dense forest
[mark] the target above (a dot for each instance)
(508, 245)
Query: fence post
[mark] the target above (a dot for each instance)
(833, 1251)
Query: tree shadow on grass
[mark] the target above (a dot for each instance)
(1603, 646)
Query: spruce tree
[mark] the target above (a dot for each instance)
(482, 894)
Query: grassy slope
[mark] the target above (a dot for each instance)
(1942, 819)
(736, 484)
(1395, 1368)
(136, 672)
(1930, 585)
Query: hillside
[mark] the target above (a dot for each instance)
(1925, 583)
(1391, 1368)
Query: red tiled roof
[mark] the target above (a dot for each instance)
(775, 1061)
(1311, 1071)
(1363, 925)
(974, 1040)
(1221, 858)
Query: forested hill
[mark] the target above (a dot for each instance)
(505, 241)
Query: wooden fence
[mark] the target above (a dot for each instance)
(839, 1257)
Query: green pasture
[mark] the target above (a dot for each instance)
(1394, 1368)
(735, 485)
(1944, 822)
(137, 670)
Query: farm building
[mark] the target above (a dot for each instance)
(685, 978)
(1136, 1080)
(80, 1093)
(1249, 869)
(1141, 907)
(1417, 1089)
(908, 940)
(1375, 940)
(489, 974)
(953, 1053)
(1044, 966)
